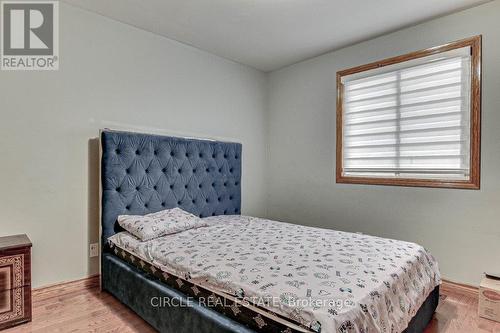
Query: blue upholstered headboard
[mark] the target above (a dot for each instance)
(143, 173)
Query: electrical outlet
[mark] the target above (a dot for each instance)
(94, 250)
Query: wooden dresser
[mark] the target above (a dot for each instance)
(15, 280)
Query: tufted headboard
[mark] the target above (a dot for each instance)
(143, 173)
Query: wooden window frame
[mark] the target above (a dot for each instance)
(475, 119)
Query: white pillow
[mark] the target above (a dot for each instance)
(164, 222)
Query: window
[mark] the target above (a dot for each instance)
(412, 120)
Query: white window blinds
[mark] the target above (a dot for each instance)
(409, 120)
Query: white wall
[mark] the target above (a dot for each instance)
(111, 75)
(460, 227)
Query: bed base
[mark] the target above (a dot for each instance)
(424, 315)
(136, 288)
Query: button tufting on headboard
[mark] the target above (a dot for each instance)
(142, 173)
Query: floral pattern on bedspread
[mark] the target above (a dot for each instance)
(327, 280)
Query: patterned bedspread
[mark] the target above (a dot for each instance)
(329, 281)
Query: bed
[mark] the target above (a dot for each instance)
(245, 274)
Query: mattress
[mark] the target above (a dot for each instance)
(317, 279)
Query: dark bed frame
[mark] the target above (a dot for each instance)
(143, 173)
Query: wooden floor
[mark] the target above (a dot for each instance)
(80, 307)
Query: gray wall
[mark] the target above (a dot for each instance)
(111, 75)
(460, 227)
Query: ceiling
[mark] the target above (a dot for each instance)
(271, 34)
